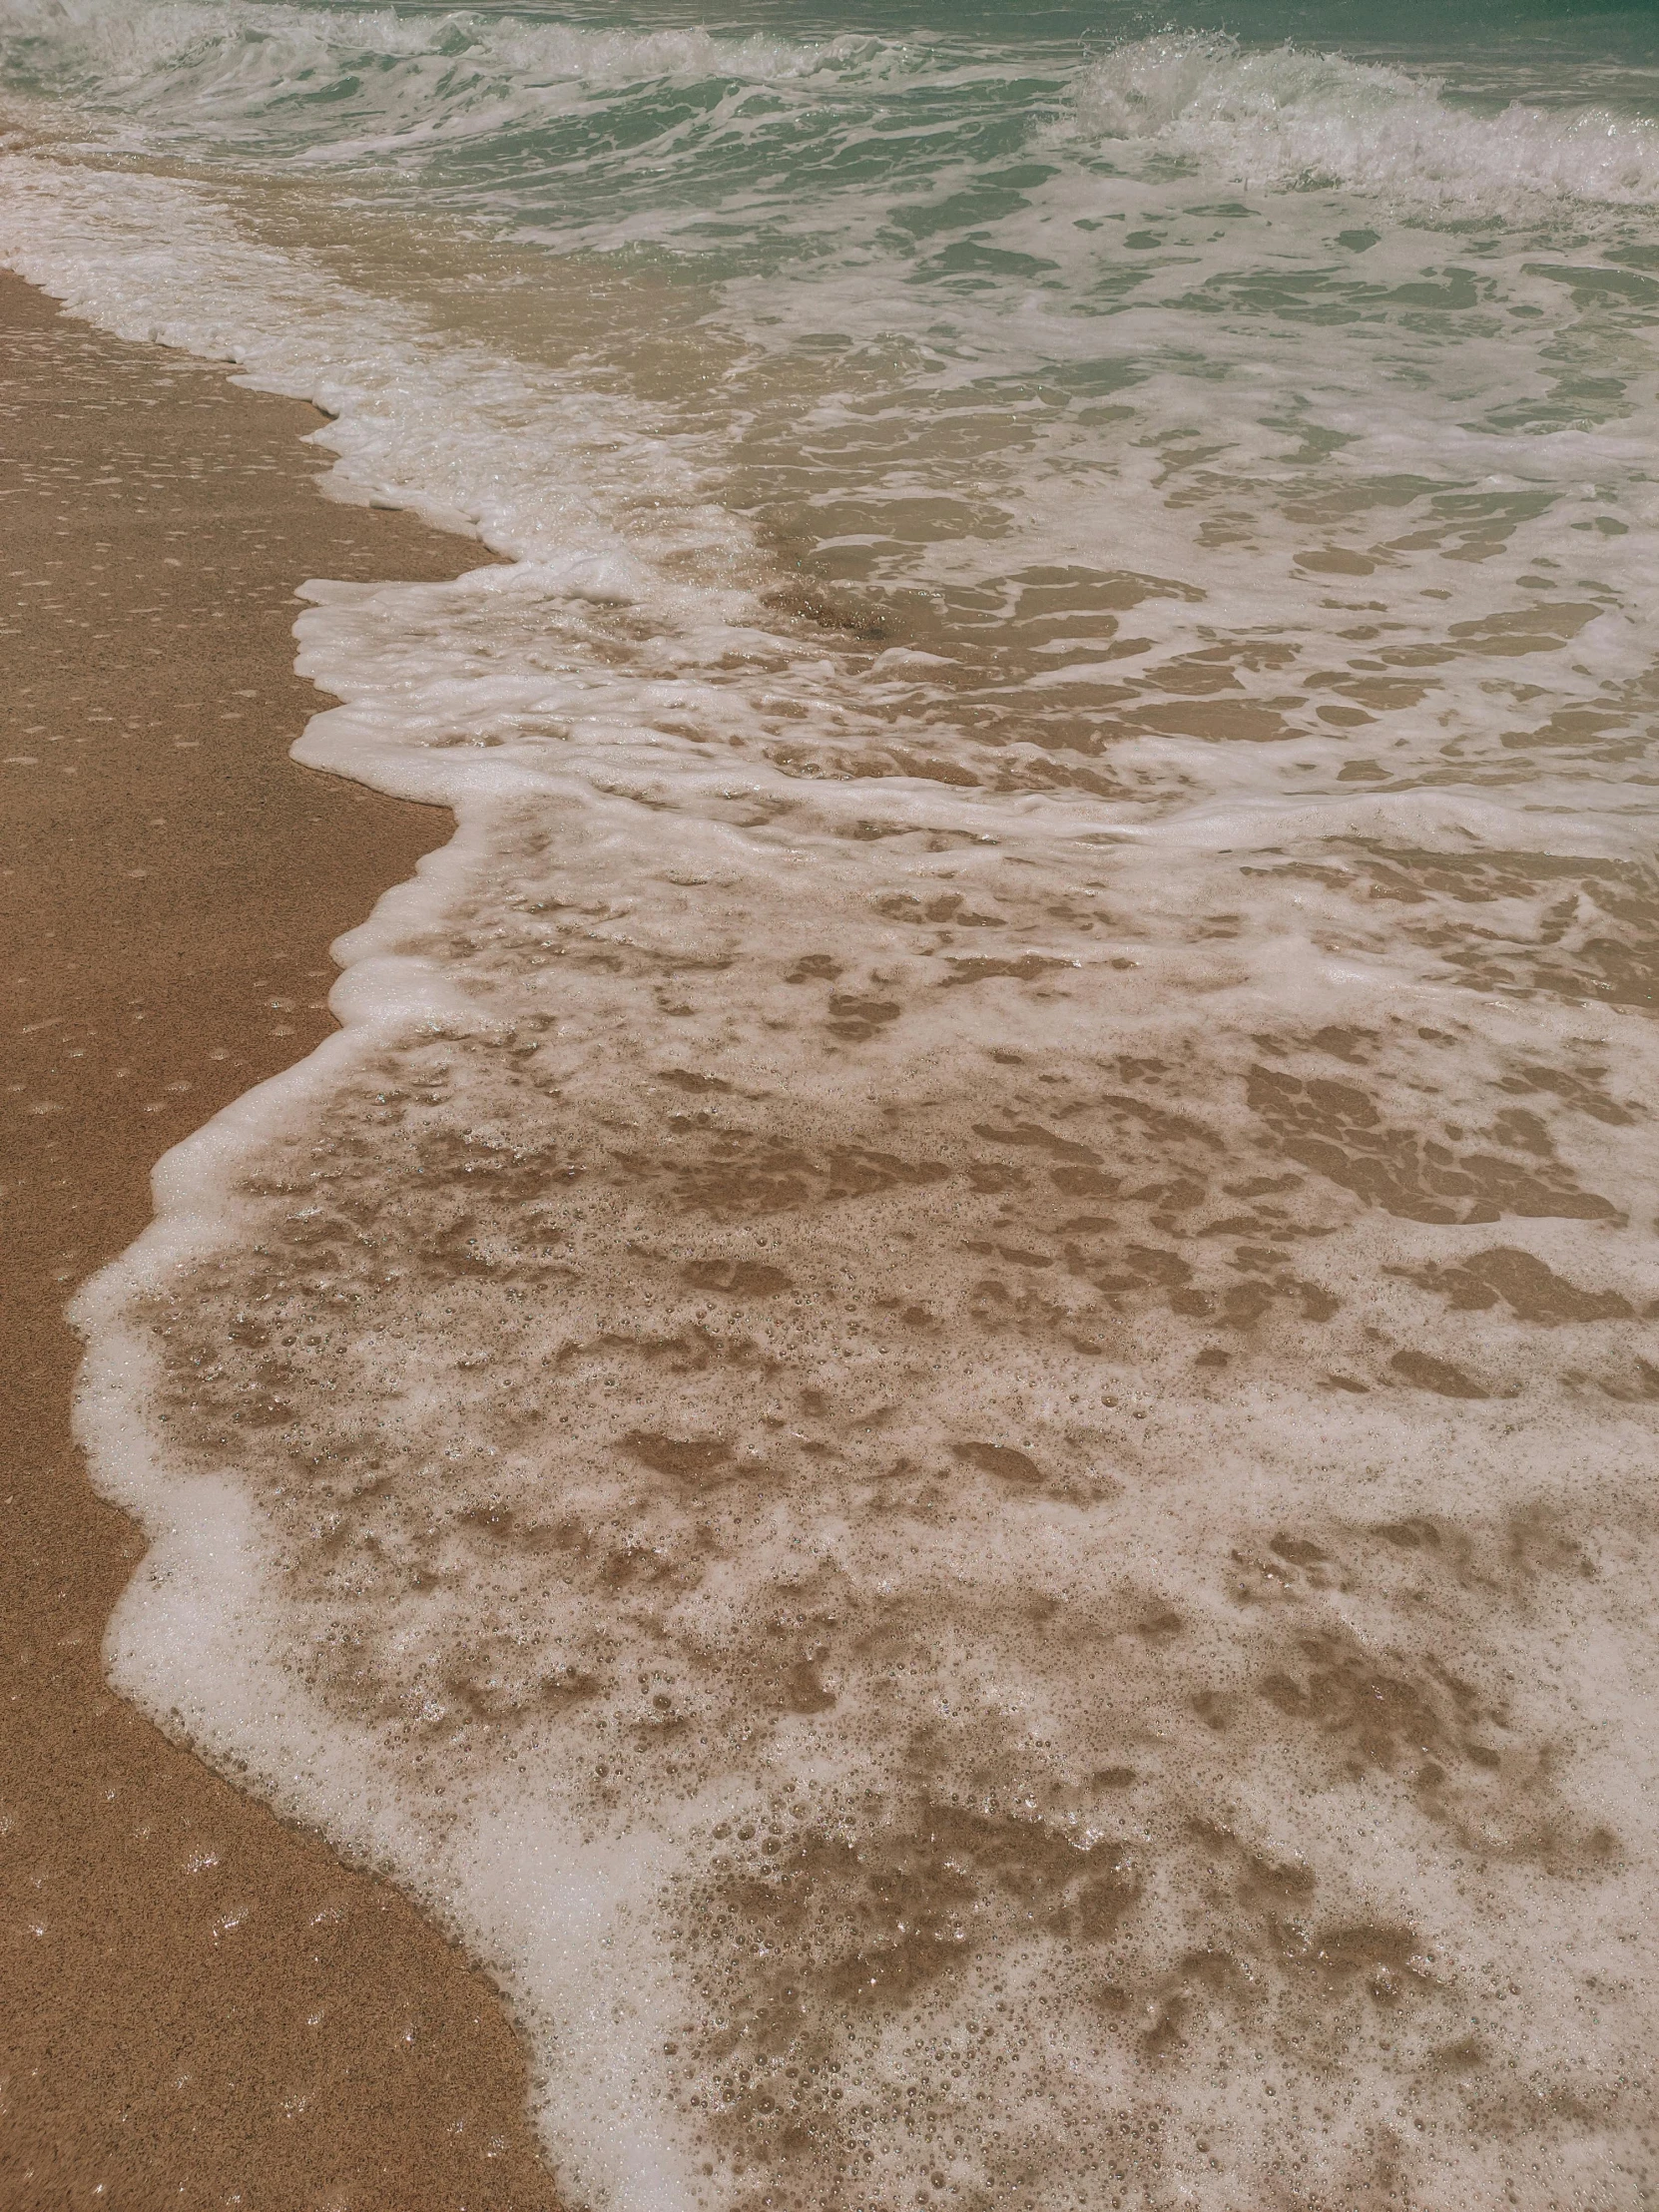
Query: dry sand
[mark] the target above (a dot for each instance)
(201, 2007)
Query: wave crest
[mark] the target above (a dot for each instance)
(1286, 118)
(183, 62)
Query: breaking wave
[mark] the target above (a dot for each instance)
(1286, 118)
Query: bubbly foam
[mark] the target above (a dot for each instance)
(873, 1515)
(939, 1410)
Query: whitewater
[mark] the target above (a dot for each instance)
(941, 1412)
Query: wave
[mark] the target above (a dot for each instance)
(318, 84)
(316, 72)
(1285, 119)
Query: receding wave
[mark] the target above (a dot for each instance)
(1286, 118)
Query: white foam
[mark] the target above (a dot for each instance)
(575, 1548)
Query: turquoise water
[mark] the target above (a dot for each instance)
(943, 1412)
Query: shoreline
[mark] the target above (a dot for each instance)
(205, 2002)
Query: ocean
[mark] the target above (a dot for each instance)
(941, 1412)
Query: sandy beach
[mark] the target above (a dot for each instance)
(204, 2008)
(918, 1475)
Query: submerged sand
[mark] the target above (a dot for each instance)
(203, 2006)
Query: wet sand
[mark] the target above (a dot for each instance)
(203, 2006)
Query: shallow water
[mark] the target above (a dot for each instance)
(942, 1412)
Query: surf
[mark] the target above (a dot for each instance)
(938, 1406)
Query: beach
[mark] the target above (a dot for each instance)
(885, 1396)
(204, 2007)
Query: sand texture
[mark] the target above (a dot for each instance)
(203, 2007)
